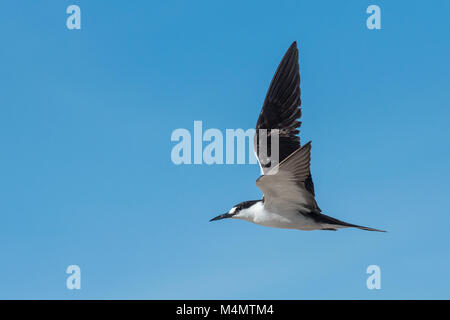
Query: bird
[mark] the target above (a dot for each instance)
(289, 197)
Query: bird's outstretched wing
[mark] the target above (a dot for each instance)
(286, 189)
(281, 110)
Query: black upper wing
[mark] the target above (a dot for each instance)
(281, 110)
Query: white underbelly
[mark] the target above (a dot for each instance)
(286, 220)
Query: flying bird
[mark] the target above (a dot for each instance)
(289, 198)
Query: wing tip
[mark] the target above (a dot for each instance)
(307, 145)
(293, 49)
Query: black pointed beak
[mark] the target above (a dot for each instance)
(222, 216)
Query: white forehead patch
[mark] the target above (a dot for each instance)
(232, 210)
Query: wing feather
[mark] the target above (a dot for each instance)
(284, 186)
(281, 110)
(281, 107)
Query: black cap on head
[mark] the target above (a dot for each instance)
(237, 208)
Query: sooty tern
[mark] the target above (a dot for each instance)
(288, 200)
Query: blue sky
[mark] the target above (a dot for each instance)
(86, 176)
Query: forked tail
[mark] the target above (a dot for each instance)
(340, 224)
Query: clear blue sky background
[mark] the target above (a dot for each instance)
(85, 170)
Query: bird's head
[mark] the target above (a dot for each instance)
(243, 210)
